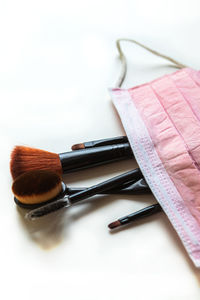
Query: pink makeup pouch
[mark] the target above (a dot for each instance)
(162, 122)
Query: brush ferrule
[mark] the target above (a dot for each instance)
(91, 157)
(104, 142)
(145, 212)
(124, 221)
(48, 208)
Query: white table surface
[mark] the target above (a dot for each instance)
(57, 59)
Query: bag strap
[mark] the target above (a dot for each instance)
(124, 63)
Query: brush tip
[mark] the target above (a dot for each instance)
(114, 224)
(78, 146)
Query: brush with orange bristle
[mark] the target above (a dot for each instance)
(24, 159)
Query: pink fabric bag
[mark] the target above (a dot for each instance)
(162, 122)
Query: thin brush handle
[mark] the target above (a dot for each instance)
(137, 188)
(106, 185)
(145, 212)
(85, 158)
(104, 142)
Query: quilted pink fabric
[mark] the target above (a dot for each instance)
(162, 121)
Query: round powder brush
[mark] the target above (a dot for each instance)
(35, 188)
(42, 192)
(24, 159)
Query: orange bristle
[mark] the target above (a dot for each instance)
(24, 159)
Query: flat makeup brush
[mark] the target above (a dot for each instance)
(25, 159)
(66, 200)
(34, 188)
(142, 213)
(102, 142)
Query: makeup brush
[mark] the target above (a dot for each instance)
(34, 188)
(25, 159)
(145, 212)
(68, 200)
(102, 142)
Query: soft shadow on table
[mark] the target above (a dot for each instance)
(170, 232)
(49, 231)
(177, 242)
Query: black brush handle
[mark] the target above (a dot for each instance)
(91, 157)
(108, 141)
(106, 185)
(145, 212)
(131, 188)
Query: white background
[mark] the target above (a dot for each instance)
(57, 59)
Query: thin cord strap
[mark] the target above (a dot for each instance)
(124, 63)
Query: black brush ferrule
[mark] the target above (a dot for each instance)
(91, 157)
(142, 213)
(105, 142)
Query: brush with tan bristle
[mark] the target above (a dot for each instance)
(45, 188)
(25, 159)
(32, 189)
